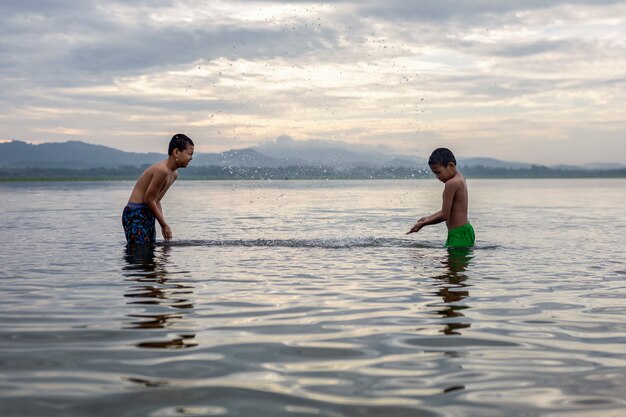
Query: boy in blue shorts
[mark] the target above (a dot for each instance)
(144, 204)
(455, 201)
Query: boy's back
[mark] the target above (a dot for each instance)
(159, 170)
(458, 210)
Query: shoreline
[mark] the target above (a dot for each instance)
(105, 179)
(219, 173)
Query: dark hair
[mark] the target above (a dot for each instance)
(180, 142)
(441, 156)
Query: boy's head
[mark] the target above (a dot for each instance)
(179, 141)
(180, 150)
(442, 156)
(443, 164)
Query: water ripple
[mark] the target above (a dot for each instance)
(290, 310)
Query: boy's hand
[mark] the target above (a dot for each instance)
(416, 228)
(167, 232)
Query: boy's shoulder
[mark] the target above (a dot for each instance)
(457, 181)
(455, 184)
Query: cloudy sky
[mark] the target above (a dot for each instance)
(523, 80)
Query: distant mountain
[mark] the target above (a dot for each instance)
(285, 152)
(338, 157)
(568, 167)
(73, 154)
(76, 154)
(407, 162)
(238, 157)
(603, 166)
(316, 152)
(490, 163)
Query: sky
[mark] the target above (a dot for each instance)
(520, 80)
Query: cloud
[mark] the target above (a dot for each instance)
(405, 74)
(469, 12)
(88, 44)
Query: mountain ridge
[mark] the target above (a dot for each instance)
(81, 155)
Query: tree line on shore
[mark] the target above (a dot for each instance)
(297, 172)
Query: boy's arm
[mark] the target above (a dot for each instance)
(442, 215)
(162, 194)
(164, 190)
(152, 199)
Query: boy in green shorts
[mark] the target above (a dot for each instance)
(455, 200)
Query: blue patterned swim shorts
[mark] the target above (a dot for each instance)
(138, 222)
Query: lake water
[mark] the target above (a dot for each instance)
(289, 298)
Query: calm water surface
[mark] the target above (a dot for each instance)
(307, 299)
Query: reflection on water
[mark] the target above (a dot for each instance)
(452, 289)
(165, 299)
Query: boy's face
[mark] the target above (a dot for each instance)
(443, 173)
(184, 157)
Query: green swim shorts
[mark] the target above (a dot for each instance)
(461, 237)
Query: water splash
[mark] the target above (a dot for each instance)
(333, 243)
